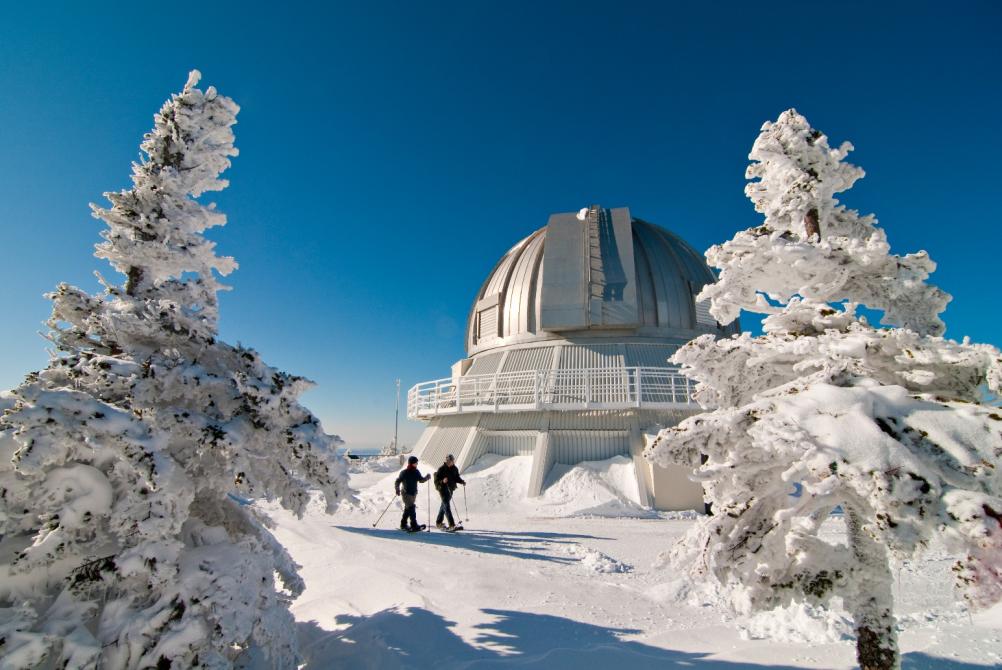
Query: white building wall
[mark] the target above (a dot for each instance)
(575, 446)
(568, 438)
(450, 435)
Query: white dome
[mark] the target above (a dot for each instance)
(593, 275)
(569, 342)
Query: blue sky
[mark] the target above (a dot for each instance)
(391, 152)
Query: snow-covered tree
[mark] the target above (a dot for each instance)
(824, 413)
(125, 463)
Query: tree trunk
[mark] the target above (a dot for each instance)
(134, 276)
(812, 224)
(872, 606)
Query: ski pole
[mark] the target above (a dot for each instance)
(428, 527)
(384, 512)
(466, 504)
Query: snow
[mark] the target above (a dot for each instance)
(377, 464)
(524, 587)
(164, 496)
(595, 561)
(599, 488)
(81, 492)
(123, 539)
(794, 173)
(801, 623)
(825, 413)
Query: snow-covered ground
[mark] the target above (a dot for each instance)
(570, 580)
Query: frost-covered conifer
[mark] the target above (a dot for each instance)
(826, 413)
(124, 542)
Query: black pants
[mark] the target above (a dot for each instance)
(410, 511)
(445, 511)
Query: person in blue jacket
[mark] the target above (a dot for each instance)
(409, 478)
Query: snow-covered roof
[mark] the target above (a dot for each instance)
(596, 273)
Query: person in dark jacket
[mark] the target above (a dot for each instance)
(409, 478)
(446, 480)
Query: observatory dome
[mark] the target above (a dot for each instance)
(568, 345)
(597, 274)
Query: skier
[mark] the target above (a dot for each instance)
(446, 480)
(409, 477)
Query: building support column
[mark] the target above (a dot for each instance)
(472, 449)
(542, 459)
(672, 489)
(641, 468)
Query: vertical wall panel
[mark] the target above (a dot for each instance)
(574, 446)
(565, 303)
(477, 448)
(647, 300)
(536, 288)
(578, 356)
(520, 299)
(533, 358)
(678, 289)
(449, 438)
(512, 421)
(703, 316)
(500, 275)
(591, 420)
(695, 267)
(542, 461)
(649, 355)
(487, 326)
(486, 364)
(510, 442)
(662, 282)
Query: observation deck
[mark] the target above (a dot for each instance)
(563, 389)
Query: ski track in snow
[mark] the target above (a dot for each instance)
(530, 591)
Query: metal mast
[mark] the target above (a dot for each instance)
(396, 421)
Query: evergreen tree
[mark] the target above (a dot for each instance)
(122, 464)
(825, 413)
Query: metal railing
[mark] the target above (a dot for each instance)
(588, 388)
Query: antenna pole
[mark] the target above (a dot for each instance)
(396, 421)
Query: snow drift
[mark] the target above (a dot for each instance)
(498, 484)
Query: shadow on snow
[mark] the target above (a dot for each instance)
(917, 660)
(527, 545)
(418, 638)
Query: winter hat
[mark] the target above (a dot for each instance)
(412, 460)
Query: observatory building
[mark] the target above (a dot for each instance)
(567, 345)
